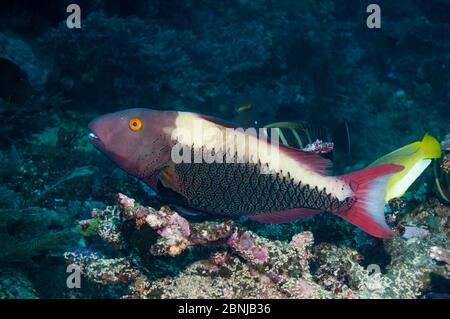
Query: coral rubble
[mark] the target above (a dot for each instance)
(239, 263)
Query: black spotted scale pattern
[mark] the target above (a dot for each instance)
(241, 189)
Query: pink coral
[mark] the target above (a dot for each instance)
(227, 293)
(94, 213)
(232, 239)
(303, 288)
(245, 242)
(260, 254)
(125, 202)
(276, 278)
(319, 147)
(302, 241)
(181, 224)
(84, 224)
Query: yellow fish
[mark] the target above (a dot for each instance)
(415, 158)
(244, 108)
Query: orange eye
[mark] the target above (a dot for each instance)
(135, 124)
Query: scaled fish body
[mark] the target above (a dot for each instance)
(278, 185)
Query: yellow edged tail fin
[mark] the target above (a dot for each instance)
(430, 147)
(415, 158)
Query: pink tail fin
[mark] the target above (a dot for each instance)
(369, 186)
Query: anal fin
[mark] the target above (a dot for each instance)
(187, 211)
(285, 216)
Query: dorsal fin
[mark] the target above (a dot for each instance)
(312, 161)
(218, 121)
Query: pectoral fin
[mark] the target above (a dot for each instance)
(167, 187)
(168, 178)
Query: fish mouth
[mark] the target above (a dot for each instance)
(94, 138)
(96, 141)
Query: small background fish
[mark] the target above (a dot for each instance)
(298, 134)
(415, 158)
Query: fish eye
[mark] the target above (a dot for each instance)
(135, 124)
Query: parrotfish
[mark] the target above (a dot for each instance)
(415, 158)
(277, 185)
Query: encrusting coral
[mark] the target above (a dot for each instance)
(241, 264)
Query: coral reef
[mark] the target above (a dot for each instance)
(241, 264)
(14, 284)
(441, 254)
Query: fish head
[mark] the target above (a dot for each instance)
(14, 84)
(138, 139)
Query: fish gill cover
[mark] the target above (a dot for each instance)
(254, 63)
